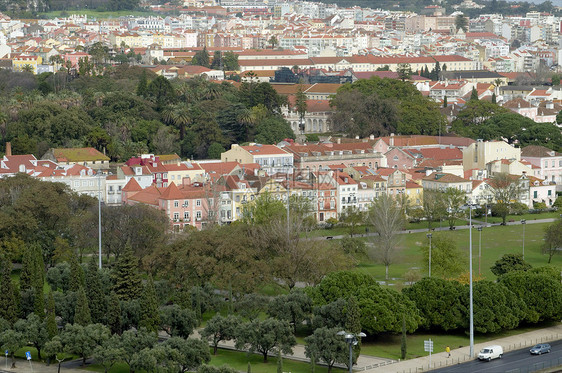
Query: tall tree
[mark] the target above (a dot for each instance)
(461, 23)
(177, 321)
(150, 318)
(445, 256)
(301, 106)
(113, 320)
(387, 220)
(94, 292)
(50, 319)
(553, 239)
(507, 189)
(82, 313)
(76, 274)
(8, 304)
(474, 94)
(201, 58)
(294, 307)
(453, 200)
(127, 282)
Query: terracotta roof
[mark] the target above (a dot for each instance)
(132, 186)
(263, 149)
(171, 192)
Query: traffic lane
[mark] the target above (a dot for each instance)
(519, 359)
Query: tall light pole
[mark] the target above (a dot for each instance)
(99, 219)
(351, 340)
(479, 249)
(524, 222)
(429, 235)
(470, 283)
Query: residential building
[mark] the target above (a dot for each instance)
(83, 156)
(547, 160)
(480, 153)
(271, 158)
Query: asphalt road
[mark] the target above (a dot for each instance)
(520, 361)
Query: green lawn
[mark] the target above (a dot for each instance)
(496, 241)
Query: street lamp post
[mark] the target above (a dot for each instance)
(429, 235)
(470, 283)
(351, 340)
(479, 249)
(524, 222)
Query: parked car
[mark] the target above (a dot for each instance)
(490, 352)
(541, 348)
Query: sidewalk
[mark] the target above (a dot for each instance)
(460, 355)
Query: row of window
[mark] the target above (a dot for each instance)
(186, 203)
(553, 162)
(186, 215)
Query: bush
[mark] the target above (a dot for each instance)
(353, 246)
(518, 208)
(539, 206)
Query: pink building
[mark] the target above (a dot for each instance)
(549, 162)
(75, 57)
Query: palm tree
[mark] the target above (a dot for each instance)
(247, 120)
(178, 115)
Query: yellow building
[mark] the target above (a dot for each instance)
(25, 62)
(414, 192)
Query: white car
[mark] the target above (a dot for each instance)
(490, 352)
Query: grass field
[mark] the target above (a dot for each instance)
(496, 241)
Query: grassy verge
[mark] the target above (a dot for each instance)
(239, 361)
(543, 215)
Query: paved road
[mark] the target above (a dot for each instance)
(520, 361)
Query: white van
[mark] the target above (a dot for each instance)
(490, 352)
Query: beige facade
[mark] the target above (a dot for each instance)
(480, 153)
(511, 167)
(271, 158)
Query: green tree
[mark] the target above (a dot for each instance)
(506, 189)
(127, 283)
(192, 352)
(445, 256)
(474, 94)
(113, 320)
(161, 92)
(76, 274)
(294, 307)
(439, 303)
(404, 71)
(82, 314)
(83, 340)
(553, 238)
(142, 86)
(109, 353)
(266, 335)
(453, 200)
(494, 99)
(541, 293)
(201, 58)
(491, 315)
(8, 304)
(273, 41)
(353, 218)
(327, 346)
(230, 61)
(134, 341)
(510, 263)
(94, 292)
(461, 23)
(34, 330)
(215, 150)
(301, 105)
(11, 341)
(50, 319)
(403, 345)
(53, 349)
(220, 328)
(177, 321)
(150, 318)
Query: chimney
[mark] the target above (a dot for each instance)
(338, 140)
(8, 149)
(391, 141)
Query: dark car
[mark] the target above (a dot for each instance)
(541, 348)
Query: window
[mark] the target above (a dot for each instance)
(176, 203)
(550, 192)
(535, 194)
(198, 202)
(198, 215)
(395, 158)
(176, 216)
(186, 215)
(185, 203)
